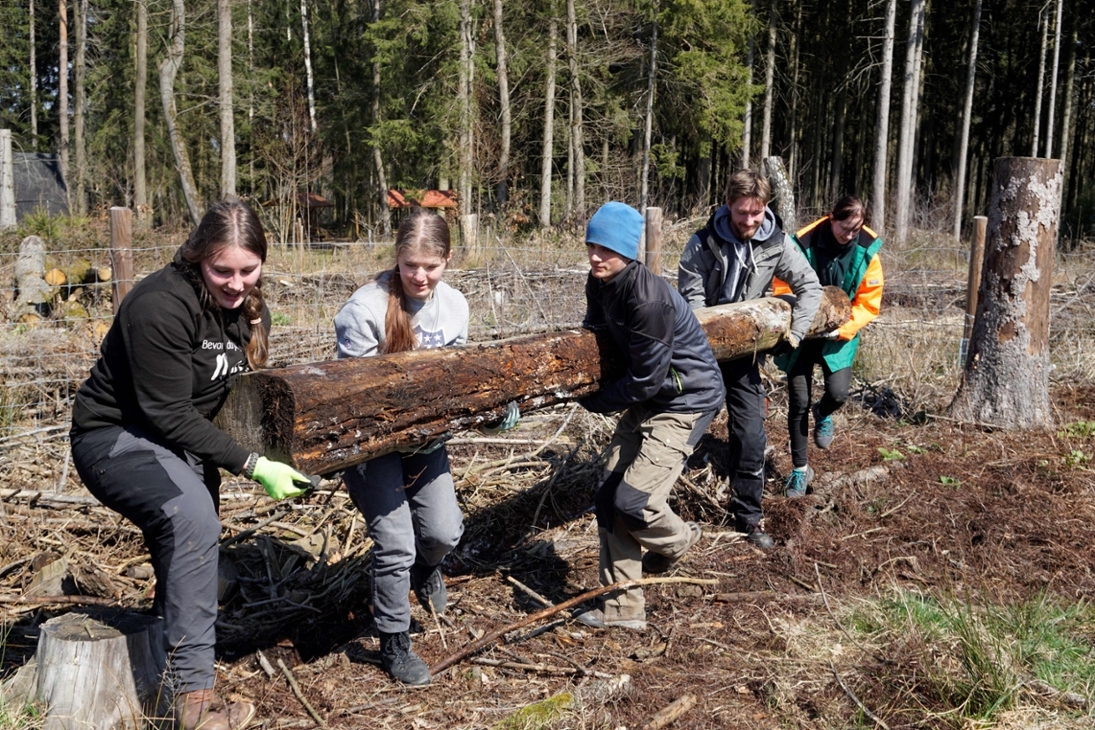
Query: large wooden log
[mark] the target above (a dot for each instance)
(326, 416)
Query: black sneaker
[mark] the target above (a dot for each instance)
(429, 587)
(399, 660)
(656, 563)
(756, 535)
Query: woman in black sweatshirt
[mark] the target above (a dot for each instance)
(144, 444)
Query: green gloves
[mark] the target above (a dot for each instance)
(279, 480)
(513, 415)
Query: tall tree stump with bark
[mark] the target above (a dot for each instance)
(1006, 381)
(101, 672)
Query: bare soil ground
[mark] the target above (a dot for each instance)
(899, 505)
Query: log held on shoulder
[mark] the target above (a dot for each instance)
(326, 416)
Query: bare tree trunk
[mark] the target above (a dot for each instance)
(1066, 116)
(307, 36)
(967, 115)
(378, 157)
(7, 182)
(882, 125)
(1006, 381)
(783, 193)
(836, 160)
(1043, 23)
(908, 121)
(140, 87)
(547, 152)
(648, 131)
(169, 69)
(251, 95)
(747, 125)
(62, 96)
(577, 129)
(1053, 80)
(792, 164)
(769, 82)
(464, 99)
(224, 77)
(33, 82)
(504, 103)
(79, 102)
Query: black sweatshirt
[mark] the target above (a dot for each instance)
(166, 366)
(669, 361)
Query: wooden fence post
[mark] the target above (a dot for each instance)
(654, 239)
(121, 252)
(7, 181)
(977, 258)
(1006, 380)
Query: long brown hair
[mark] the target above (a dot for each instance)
(424, 232)
(232, 223)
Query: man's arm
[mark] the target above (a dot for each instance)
(650, 353)
(795, 270)
(691, 273)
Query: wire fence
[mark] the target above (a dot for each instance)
(514, 285)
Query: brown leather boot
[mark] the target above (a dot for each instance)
(201, 710)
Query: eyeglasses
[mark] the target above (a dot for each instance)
(843, 230)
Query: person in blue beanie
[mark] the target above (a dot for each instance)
(669, 393)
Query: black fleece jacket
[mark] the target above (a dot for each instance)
(166, 365)
(670, 366)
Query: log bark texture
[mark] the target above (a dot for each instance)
(326, 416)
(101, 673)
(1006, 381)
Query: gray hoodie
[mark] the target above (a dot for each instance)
(719, 268)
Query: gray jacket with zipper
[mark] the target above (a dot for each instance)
(718, 268)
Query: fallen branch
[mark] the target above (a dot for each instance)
(671, 712)
(493, 636)
(35, 496)
(300, 695)
(855, 699)
(745, 596)
(537, 668)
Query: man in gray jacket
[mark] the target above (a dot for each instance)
(733, 259)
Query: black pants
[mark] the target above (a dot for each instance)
(746, 405)
(799, 396)
(173, 500)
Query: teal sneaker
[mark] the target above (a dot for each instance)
(796, 483)
(823, 430)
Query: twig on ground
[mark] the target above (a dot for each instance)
(671, 712)
(493, 636)
(889, 512)
(539, 668)
(540, 599)
(251, 531)
(856, 700)
(300, 694)
(265, 664)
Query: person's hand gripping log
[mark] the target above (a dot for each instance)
(280, 481)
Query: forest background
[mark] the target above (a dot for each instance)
(535, 112)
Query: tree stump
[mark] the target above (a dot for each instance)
(783, 194)
(101, 671)
(33, 294)
(1006, 381)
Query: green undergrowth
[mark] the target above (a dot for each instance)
(968, 661)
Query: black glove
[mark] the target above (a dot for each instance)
(785, 346)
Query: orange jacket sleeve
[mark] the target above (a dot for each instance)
(866, 302)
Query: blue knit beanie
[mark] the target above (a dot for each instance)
(617, 227)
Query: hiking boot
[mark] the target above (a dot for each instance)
(201, 710)
(594, 618)
(796, 483)
(399, 660)
(429, 587)
(656, 563)
(756, 536)
(823, 430)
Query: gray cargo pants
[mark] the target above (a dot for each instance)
(173, 499)
(410, 506)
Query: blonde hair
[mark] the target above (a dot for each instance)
(421, 231)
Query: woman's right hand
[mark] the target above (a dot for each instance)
(279, 480)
